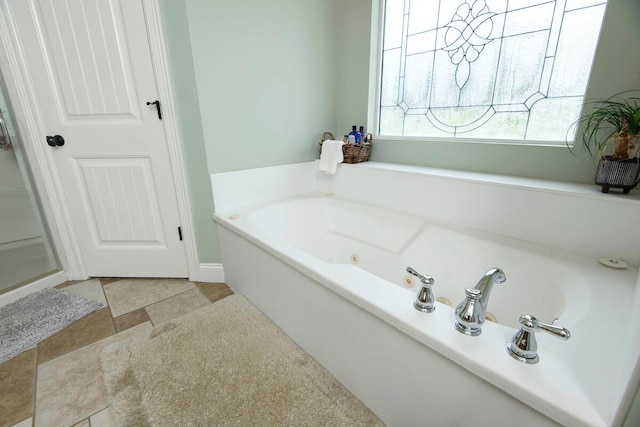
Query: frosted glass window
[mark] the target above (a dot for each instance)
(512, 70)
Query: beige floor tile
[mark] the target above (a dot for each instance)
(25, 423)
(83, 423)
(91, 328)
(70, 388)
(67, 284)
(131, 319)
(17, 388)
(107, 280)
(91, 289)
(176, 306)
(214, 291)
(128, 295)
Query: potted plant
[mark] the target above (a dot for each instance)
(611, 133)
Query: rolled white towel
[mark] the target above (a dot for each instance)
(330, 156)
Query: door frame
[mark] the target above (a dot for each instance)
(32, 130)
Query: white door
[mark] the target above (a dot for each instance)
(91, 67)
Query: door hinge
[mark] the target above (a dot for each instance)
(180, 232)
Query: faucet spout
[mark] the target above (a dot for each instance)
(485, 285)
(472, 311)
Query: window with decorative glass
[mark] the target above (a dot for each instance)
(500, 70)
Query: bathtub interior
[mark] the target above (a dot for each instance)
(384, 242)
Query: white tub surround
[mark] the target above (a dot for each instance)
(325, 258)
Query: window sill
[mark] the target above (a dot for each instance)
(506, 142)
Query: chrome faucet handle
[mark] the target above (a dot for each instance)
(427, 280)
(560, 332)
(523, 345)
(425, 301)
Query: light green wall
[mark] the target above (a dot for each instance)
(186, 97)
(616, 68)
(258, 82)
(255, 85)
(354, 27)
(266, 77)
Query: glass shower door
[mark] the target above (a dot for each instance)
(25, 250)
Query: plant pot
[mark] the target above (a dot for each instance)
(617, 173)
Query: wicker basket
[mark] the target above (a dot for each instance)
(617, 173)
(353, 153)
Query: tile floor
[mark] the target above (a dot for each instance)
(59, 383)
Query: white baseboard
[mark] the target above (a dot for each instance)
(46, 282)
(211, 273)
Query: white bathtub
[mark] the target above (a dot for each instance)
(329, 269)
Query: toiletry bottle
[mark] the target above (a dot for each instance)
(353, 133)
(363, 137)
(356, 134)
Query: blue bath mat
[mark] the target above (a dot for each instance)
(31, 319)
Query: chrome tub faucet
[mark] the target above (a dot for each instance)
(471, 313)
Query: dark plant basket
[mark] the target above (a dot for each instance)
(617, 173)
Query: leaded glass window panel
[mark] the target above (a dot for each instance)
(486, 69)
